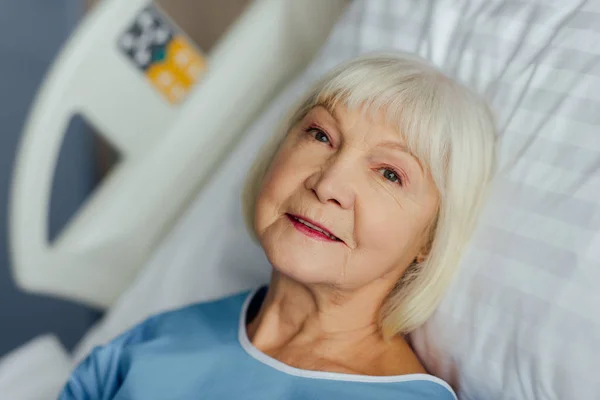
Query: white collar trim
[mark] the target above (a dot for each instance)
(287, 369)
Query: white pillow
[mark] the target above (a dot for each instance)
(521, 321)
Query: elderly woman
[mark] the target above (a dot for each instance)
(363, 204)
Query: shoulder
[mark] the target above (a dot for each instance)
(221, 311)
(154, 343)
(200, 318)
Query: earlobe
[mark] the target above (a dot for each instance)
(425, 250)
(423, 254)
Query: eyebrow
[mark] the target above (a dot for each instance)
(396, 146)
(404, 149)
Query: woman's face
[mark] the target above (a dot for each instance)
(351, 176)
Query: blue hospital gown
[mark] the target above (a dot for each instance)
(202, 352)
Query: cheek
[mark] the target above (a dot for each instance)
(383, 232)
(279, 184)
(387, 232)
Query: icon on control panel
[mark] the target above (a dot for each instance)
(169, 60)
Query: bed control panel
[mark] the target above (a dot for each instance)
(169, 60)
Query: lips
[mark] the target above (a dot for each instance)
(314, 227)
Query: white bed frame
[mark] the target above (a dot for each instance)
(167, 151)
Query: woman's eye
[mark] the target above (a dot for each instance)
(391, 175)
(319, 135)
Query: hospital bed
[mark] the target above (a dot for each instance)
(165, 229)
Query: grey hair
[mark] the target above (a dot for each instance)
(446, 126)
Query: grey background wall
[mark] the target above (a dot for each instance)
(31, 33)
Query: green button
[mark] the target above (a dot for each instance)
(159, 54)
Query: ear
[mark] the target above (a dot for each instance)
(422, 256)
(424, 253)
(426, 249)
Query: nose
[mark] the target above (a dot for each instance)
(333, 183)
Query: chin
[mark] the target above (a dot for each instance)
(296, 267)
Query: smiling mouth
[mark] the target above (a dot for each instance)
(311, 229)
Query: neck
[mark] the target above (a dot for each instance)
(315, 312)
(328, 329)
